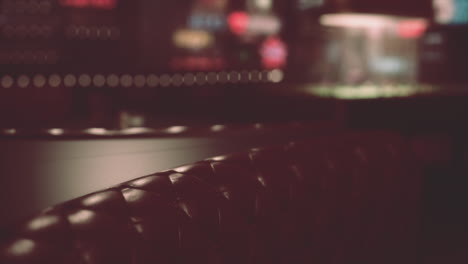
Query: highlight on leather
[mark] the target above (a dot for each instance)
(337, 199)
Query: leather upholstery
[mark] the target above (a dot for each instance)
(337, 199)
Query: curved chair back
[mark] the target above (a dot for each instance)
(337, 199)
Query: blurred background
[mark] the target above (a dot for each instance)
(116, 63)
(96, 92)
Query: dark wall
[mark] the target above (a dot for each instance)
(399, 7)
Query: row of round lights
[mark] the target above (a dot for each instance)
(140, 80)
(172, 130)
(73, 32)
(27, 31)
(92, 32)
(31, 7)
(104, 132)
(108, 132)
(29, 57)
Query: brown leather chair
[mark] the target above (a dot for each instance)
(337, 199)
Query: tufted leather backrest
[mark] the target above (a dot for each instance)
(337, 199)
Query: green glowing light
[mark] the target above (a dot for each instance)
(369, 91)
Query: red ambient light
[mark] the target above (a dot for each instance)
(101, 4)
(274, 53)
(238, 22)
(411, 28)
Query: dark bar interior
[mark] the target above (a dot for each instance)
(269, 131)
